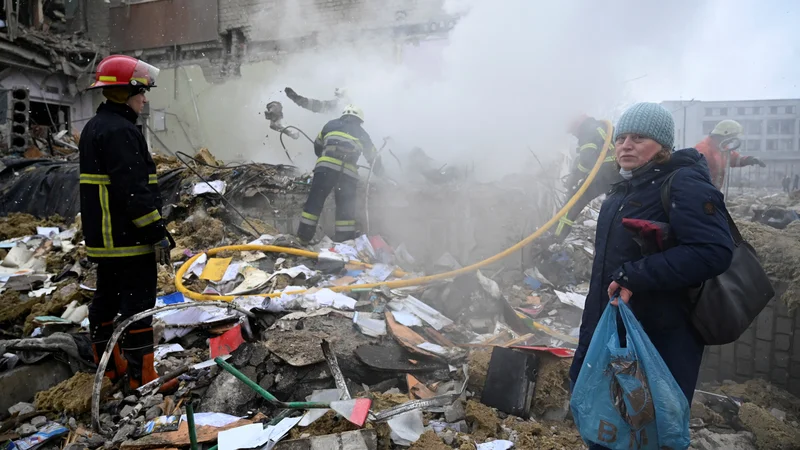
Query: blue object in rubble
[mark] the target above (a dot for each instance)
(625, 397)
(533, 283)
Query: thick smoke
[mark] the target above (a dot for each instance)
(512, 73)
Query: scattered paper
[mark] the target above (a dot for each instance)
(255, 435)
(254, 279)
(489, 285)
(406, 318)
(209, 187)
(215, 269)
(346, 250)
(264, 239)
(329, 256)
(572, 299)
(212, 419)
(325, 395)
(406, 427)
(47, 231)
(434, 348)
(380, 271)
(369, 326)
(499, 444)
(327, 297)
(534, 273)
(49, 431)
(42, 292)
(171, 299)
(197, 266)
(364, 247)
(17, 256)
(295, 272)
(164, 350)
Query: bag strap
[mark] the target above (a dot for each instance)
(666, 203)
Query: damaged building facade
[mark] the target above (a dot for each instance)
(221, 60)
(45, 63)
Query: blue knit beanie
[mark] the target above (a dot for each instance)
(650, 120)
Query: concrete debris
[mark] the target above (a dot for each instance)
(402, 348)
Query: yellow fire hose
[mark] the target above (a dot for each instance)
(395, 283)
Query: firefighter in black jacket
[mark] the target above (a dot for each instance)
(338, 147)
(591, 134)
(121, 215)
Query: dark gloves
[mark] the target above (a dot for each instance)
(163, 248)
(291, 93)
(752, 160)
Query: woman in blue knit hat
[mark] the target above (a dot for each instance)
(651, 271)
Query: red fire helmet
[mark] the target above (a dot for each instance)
(122, 70)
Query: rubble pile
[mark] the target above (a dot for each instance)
(421, 367)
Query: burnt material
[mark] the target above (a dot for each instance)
(510, 381)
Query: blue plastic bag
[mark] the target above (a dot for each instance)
(625, 397)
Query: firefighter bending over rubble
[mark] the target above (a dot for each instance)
(338, 147)
(121, 211)
(591, 134)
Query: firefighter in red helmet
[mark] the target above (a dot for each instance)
(121, 214)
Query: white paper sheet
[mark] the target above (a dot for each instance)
(346, 250)
(327, 297)
(255, 435)
(294, 272)
(164, 350)
(204, 188)
(380, 271)
(325, 395)
(420, 309)
(433, 348)
(572, 299)
(365, 247)
(47, 231)
(212, 419)
(499, 444)
(406, 318)
(368, 325)
(197, 266)
(264, 239)
(253, 279)
(407, 427)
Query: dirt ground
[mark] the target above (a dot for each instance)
(429, 441)
(765, 395)
(483, 420)
(73, 396)
(709, 416)
(166, 280)
(544, 435)
(552, 384)
(56, 306)
(478, 362)
(21, 224)
(770, 433)
(779, 252)
(13, 306)
(200, 233)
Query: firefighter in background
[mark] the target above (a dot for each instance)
(591, 134)
(121, 212)
(338, 146)
(711, 148)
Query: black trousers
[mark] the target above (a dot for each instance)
(344, 188)
(125, 286)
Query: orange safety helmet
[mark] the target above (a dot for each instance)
(575, 124)
(122, 70)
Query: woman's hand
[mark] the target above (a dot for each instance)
(624, 294)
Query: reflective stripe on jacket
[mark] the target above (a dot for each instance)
(120, 200)
(339, 145)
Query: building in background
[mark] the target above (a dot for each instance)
(222, 61)
(771, 133)
(44, 65)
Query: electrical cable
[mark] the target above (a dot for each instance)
(283, 131)
(227, 202)
(395, 283)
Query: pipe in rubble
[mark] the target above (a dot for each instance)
(101, 366)
(396, 283)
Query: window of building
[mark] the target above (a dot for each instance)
(790, 110)
(709, 111)
(708, 126)
(772, 144)
(723, 111)
(752, 126)
(773, 110)
(741, 111)
(780, 126)
(753, 145)
(786, 144)
(756, 110)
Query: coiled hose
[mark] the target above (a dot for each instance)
(395, 283)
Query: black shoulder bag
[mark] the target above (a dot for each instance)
(724, 306)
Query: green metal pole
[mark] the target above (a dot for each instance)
(192, 431)
(262, 392)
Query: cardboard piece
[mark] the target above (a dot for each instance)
(215, 269)
(180, 437)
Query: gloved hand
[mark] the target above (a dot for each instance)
(752, 160)
(290, 93)
(163, 248)
(162, 252)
